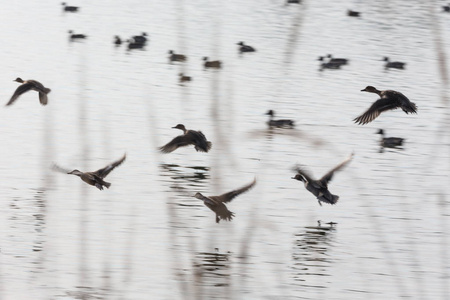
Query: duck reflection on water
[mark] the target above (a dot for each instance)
(310, 254)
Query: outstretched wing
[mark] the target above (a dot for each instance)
(327, 177)
(179, 141)
(23, 88)
(379, 106)
(102, 173)
(57, 168)
(227, 197)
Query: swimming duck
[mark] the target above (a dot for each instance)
(342, 61)
(216, 203)
(278, 123)
(389, 142)
(330, 65)
(117, 40)
(95, 178)
(294, 1)
(245, 48)
(319, 188)
(184, 78)
(69, 8)
(388, 100)
(30, 85)
(133, 45)
(189, 137)
(139, 39)
(74, 36)
(352, 13)
(176, 57)
(212, 64)
(393, 64)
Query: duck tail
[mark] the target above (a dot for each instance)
(410, 108)
(334, 199)
(47, 90)
(107, 184)
(208, 145)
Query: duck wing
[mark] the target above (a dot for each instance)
(179, 141)
(227, 197)
(379, 106)
(199, 140)
(23, 88)
(102, 173)
(327, 177)
(43, 99)
(57, 168)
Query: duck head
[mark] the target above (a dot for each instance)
(181, 127)
(299, 177)
(205, 58)
(370, 89)
(18, 79)
(270, 113)
(240, 44)
(198, 196)
(380, 131)
(75, 172)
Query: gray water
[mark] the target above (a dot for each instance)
(146, 237)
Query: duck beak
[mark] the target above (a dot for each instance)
(363, 90)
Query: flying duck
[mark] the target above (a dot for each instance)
(30, 85)
(216, 203)
(189, 137)
(319, 188)
(388, 100)
(94, 178)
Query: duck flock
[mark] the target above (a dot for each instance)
(387, 100)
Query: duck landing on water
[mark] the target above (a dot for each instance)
(30, 85)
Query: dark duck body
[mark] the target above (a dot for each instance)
(389, 142)
(319, 188)
(95, 178)
(184, 78)
(76, 36)
(69, 8)
(189, 137)
(278, 123)
(352, 13)
(389, 100)
(176, 57)
(393, 64)
(30, 85)
(216, 203)
(217, 64)
(245, 48)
